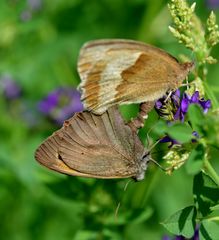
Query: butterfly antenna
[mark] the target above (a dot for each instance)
(155, 162)
(168, 96)
(117, 210)
(147, 135)
(126, 185)
(154, 145)
(119, 204)
(187, 82)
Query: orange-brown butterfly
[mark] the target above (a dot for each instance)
(97, 146)
(118, 71)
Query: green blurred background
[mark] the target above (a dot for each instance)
(39, 45)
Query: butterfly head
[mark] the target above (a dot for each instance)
(186, 68)
(143, 166)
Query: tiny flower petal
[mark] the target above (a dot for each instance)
(205, 105)
(177, 114)
(195, 134)
(176, 98)
(158, 104)
(177, 93)
(187, 96)
(195, 97)
(167, 139)
(49, 103)
(196, 235)
(184, 105)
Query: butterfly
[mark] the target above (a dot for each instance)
(96, 146)
(118, 71)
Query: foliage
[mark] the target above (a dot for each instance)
(193, 220)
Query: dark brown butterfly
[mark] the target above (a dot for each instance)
(96, 146)
(118, 71)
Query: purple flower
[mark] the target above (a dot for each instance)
(158, 104)
(194, 99)
(32, 6)
(167, 107)
(61, 104)
(167, 139)
(184, 105)
(196, 135)
(11, 90)
(35, 5)
(175, 109)
(205, 104)
(26, 15)
(212, 4)
(196, 234)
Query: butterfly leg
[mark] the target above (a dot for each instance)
(138, 122)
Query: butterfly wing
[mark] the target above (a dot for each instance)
(93, 146)
(124, 71)
(48, 155)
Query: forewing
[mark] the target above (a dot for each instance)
(93, 146)
(122, 72)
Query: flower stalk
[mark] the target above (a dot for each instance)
(189, 31)
(210, 171)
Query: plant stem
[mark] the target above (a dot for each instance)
(211, 172)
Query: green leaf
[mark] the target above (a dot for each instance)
(84, 235)
(182, 222)
(160, 127)
(180, 132)
(143, 216)
(195, 161)
(215, 208)
(209, 230)
(206, 193)
(196, 117)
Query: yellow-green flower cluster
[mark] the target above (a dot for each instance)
(212, 33)
(182, 16)
(197, 85)
(189, 31)
(175, 159)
